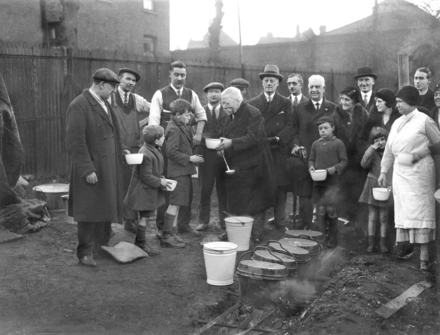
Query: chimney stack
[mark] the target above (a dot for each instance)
(322, 30)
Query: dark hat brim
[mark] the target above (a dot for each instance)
(127, 70)
(269, 74)
(372, 75)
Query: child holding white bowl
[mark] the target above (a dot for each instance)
(145, 193)
(376, 209)
(327, 153)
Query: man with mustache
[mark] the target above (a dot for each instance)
(366, 79)
(160, 115)
(129, 109)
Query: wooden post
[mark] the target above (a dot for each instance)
(403, 66)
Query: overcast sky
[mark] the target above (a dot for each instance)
(191, 18)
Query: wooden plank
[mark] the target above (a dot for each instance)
(394, 305)
(218, 318)
(228, 325)
(267, 315)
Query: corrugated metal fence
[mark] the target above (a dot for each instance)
(36, 77)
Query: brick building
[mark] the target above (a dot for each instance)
(140, 26)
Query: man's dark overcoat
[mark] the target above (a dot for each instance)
(94, 144)
(278, 121)
(252, 188)
(305, 132)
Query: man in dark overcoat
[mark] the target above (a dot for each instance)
(95, 148)
(251, 189)
(305, 133)
(278, 125)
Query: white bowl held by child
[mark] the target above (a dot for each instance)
(381, 193)
(172, 186)
(318, 175)
(133, 159)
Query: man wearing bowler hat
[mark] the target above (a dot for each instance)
(366, 79)
(278, 125)
(94, 144)
(242, 84)
(129, 108)
(212, 171)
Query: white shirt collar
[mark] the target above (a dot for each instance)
(368, 95)
(100, 101)
(211, 107)
(317, 102)
(122, 93)
(176, 89)
(267, 96)
(299, 97)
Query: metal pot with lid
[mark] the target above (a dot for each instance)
(259, 280)
(276, 257)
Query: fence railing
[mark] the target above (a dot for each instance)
(36, 80)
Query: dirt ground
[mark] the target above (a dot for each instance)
(45, 291)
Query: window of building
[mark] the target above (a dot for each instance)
(149, 45)
(149, 5)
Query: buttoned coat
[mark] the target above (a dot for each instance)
(145, 192)
(179, 148)
(278, 121)
(305, 132)
(94, 144)
(251, 189)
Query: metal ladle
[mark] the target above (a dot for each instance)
(228, 171)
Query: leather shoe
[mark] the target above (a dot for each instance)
(87, 261)
(188, 230)
(145, 247)
(202, 226)
(171, 242)
(271, 222)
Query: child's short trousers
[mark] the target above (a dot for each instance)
(182, 194)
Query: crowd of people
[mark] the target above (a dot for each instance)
(273, 143)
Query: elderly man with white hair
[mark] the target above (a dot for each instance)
(305, 132)
(251, 189)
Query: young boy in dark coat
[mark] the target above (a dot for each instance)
(145, 193)
(181, 160)
(327, 153)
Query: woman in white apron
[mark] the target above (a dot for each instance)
(413, 174)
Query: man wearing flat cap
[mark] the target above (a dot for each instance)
(160, 115)
(94, 144)
(242, 84)
(130, 109)
(366, 79)
(278, 125)
(212, 171)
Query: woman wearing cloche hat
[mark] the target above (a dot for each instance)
(350, 120)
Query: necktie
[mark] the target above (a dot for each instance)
(269, 100)
(214, 115)
(365, 100)
(317, 106)
(125, 99)
(179, 94)
(295, 103)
